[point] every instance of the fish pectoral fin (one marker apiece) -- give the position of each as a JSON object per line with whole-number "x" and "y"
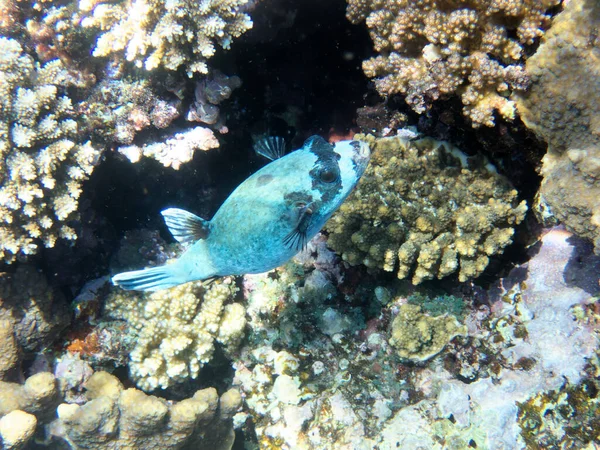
{"x": 297, "y": 239}
{"x": 271, "y": 147}
{"x": 186, "y": 227}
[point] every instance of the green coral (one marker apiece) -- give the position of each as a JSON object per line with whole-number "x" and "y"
{"x": 425, "y": 210}
{"x": 418, "y": 336}
{"x": 439, "y": 305}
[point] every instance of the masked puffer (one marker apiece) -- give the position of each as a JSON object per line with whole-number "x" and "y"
{"x": 266, "y": 220}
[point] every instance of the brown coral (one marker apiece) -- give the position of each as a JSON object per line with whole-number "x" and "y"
{"x": 425, "y": 210}
{"x": 434, "y": 48}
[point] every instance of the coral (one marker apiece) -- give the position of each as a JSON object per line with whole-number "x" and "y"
{"x": 43, "y": 161}
{"x": 36, "y": 312}
{"x": 37, "y": 396}
{"x": 563, "y": 107}
{"x": 418, "y": 336}
{"x": 16, "y": 429}
{"x": 155, "y": 33}
{"x": 434, "y": 48}
{"x": 116, "y": 110}
{"x": 426, "y": 210}
{"x": 209, "y": 93}
{"x": 174, "y": 330}
{"x": 176, "y": 150}
{"x": 9, "y": 351}
{"x": 118, "y": 418}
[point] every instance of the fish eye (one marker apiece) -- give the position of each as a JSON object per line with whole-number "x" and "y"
{"x": 327, "y": 176}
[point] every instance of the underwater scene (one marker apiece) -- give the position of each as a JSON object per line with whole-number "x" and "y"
{"x": 299, "y": 224}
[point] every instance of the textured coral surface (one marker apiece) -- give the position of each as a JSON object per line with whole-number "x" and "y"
{"x": 174, "y": 330}
{"x": 563, "y": 107}
{"x": 424, "y": 210}
{"x": 433, "y": 48}
{"x": 169, "y": 34}
{"x": 44, "y": 160}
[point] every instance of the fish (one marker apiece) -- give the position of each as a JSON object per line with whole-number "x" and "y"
{"x": 266, "y": 220}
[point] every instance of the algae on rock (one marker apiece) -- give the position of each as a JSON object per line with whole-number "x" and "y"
{"x": 425, "y": 210}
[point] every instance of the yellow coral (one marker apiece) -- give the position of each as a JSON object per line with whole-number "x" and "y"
{"x": 432, "y": 48}
{"x": 155, "y": 33}
{"x": 44, "y": 161}
{"x": 175, "y": 329}
{"x": 443, "y": 213}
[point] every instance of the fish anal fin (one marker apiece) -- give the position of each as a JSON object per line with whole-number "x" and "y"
{"x": 186, "y": 227}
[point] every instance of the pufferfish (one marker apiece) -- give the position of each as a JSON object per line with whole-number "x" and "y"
{"x": 266, "y": 220}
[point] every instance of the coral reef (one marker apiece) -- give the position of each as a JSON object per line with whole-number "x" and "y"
{"x": 16, "y": 429}
{"x": 116, "y": 109}
{"x": 418, "y": 336}
{"x": 209, "y": 93}
{"x": 37, "y": 396}
{"x": 426, "y": 210}
{"x": 176, "y": 150}
{"x": 174, "y": 330}
{"x": 35, "y": 311}
{"x": 562, "y": 107}
{"x": 347, "y": 390}
{"x": 435, "y": 48}
{"x": 44, "y": 162}
{"x": 154, "y": 33}
{"x": 119, "y": 418}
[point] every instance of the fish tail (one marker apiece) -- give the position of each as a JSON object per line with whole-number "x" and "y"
{"x": 153, "y": 279}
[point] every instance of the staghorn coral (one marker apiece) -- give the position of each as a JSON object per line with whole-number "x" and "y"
{"x": 174, "y": 330}
{"x": 43, "y": 161}
{"x": 563, "y": 107}
{"x": 156, "y": 33}
{"x": 434, "y": 48}
{"x": 426, "y": 210}
{"x": 118, "y": 418}
{"x": 418, "y": 336}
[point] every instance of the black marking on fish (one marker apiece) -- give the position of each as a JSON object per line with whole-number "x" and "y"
{"x": 272, "y": 147}
{"x": 325, "y": 173}
{"x": 296, "y": 239}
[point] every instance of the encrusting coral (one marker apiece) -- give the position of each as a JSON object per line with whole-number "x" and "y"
{"x": 418, "y": 336}
{"x": 169, "y": 34}
{"x": 119, "y": 418}
{"x": 44, "y": 162}
{"x": 434, "y": 48}
{"x": 563, "y": 107}
{"x": 174, "y": 330}
{"x": 425, "y": 209}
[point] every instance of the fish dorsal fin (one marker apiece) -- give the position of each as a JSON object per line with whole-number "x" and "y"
{"x": 272, "y": 147}
{"x": 186, "y": 227}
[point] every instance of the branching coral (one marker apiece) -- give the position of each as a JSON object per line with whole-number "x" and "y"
{"x": 43, "y": 161}
{"x": 174, "y": 330}
{"x": 563, "y": 107}
{"x": 434, "y": 48}
{"x": 169, "y": 34}
{"x": 426, "y": 210}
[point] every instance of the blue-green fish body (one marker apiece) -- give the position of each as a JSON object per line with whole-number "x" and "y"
{"x": 265, "y": 221}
